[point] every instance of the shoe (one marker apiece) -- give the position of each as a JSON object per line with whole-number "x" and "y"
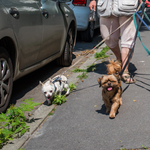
{"x": 127, "y": 78}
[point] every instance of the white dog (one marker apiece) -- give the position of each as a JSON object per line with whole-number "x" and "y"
{"x": 54, "y": 87}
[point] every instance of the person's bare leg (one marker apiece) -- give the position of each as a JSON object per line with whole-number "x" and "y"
{"x": 124, "y": 55}
{"x": 117, "y": 53}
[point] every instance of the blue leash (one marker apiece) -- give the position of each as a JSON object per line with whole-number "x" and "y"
{"x": 142, "y": 21}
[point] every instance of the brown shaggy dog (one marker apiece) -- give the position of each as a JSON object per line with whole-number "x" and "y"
{"x": 111, "y": 93}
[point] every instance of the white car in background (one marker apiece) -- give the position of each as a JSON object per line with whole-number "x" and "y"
{"x": 82, "y": 12}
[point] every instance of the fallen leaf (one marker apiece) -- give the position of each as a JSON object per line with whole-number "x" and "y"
{"x": 67, "y": 74}
{"x": 82, "y": 80}
{"x": 29, "y": 114}
{"x": 134, "y": 100}
{"x": 95, "y": 105}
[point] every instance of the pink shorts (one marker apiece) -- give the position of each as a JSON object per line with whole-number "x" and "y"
{"x": 126, "y": 32}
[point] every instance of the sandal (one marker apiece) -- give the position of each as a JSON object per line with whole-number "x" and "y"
{"x": 126, "y": 78}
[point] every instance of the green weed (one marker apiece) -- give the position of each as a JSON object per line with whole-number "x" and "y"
{"x": 91, "y": 68}
{"x": 82, "y": 76}
{"x": 59, "y": 99}
{"x": 50, "y": 114}
{"x": 102, "y": 53}
{"x": 13, "y": 122}
{"x": 72, "y": 86}
{"x": 53, "y": 109}
{"x": 144, "y": 147}
{"x": 77, "y": 70}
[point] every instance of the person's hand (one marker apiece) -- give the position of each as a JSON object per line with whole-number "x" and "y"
{"x": 92, "y": 5}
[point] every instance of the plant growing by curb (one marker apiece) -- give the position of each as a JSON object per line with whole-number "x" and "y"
{"x": 102, "y": 53}
{"x": 90, "y": 68}
{"x": 13, "y": 122}
{"x": 82, "y": 76}
{"x": 72, "y": 86}
{"x": 59, "y": 99}
{"x": 77, "y": 70}
{"x": 144, "y": 147}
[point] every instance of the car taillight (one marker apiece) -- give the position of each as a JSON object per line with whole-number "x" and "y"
{"x": 79, "y": 2}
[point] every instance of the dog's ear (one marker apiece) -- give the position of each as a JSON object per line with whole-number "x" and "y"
{"x": 50, "y": 81}
{"x": 40, "y": 83}
{"x": 99, "y": 81}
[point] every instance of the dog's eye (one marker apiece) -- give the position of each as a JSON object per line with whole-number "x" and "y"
{"x": 45, "y": 92}
{"x": 50, "y": 91}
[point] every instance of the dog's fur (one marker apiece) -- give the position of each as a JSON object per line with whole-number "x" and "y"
{"x": 114, "y": 67}
{"x": 54, "y": 87}
{"x": 111, "y": 93}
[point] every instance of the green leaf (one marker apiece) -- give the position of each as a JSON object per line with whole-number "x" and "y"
{"x": 18, "y": 129}
{"x": 3, "y": 117}
{"x": 15, "y": 124}
{"x": 23, "y": 131}
{"x": 144, "y": 147}
{"x": 6, "y": 124}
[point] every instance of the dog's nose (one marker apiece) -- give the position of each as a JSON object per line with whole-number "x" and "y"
{"x": 109, "y": 84}
{"x": 49, "y": 96}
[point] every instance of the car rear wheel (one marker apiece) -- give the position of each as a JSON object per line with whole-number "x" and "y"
{"x": 6, "y": 79}
{"x": 66, "y": 57}
{"x": 88, "y": 34}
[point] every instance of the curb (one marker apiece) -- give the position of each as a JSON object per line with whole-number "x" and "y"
{"x": 43, "y": 111}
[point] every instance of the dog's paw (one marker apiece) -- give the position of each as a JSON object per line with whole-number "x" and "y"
{"x": 67, "y": 94}
{"x": 120, "y": 102}
{"x": 112, "y": 115}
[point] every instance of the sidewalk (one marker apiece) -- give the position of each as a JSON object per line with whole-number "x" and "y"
{"x": 81, "y": 122}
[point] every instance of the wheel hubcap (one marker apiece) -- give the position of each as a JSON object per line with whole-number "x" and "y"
{"x": 4, "y": 81}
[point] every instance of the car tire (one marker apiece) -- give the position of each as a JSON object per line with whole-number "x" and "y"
{"x": 66, "y": 58}
{"x": 6, "y": 79}
{"x": 88, "y": 34}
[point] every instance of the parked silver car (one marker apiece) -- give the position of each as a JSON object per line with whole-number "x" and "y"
{"x": 82, "y": 12}
{"x": 32, "y": 34}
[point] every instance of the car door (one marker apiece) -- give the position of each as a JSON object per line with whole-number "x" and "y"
{"x": 25, "y": 17}
{"x": 53, "y": 29}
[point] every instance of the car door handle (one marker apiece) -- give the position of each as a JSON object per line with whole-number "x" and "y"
{"x": 14, "y": 12}
{"x": 45, "y": 13}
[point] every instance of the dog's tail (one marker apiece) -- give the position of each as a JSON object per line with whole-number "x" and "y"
{"x": 113, "y": 67}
